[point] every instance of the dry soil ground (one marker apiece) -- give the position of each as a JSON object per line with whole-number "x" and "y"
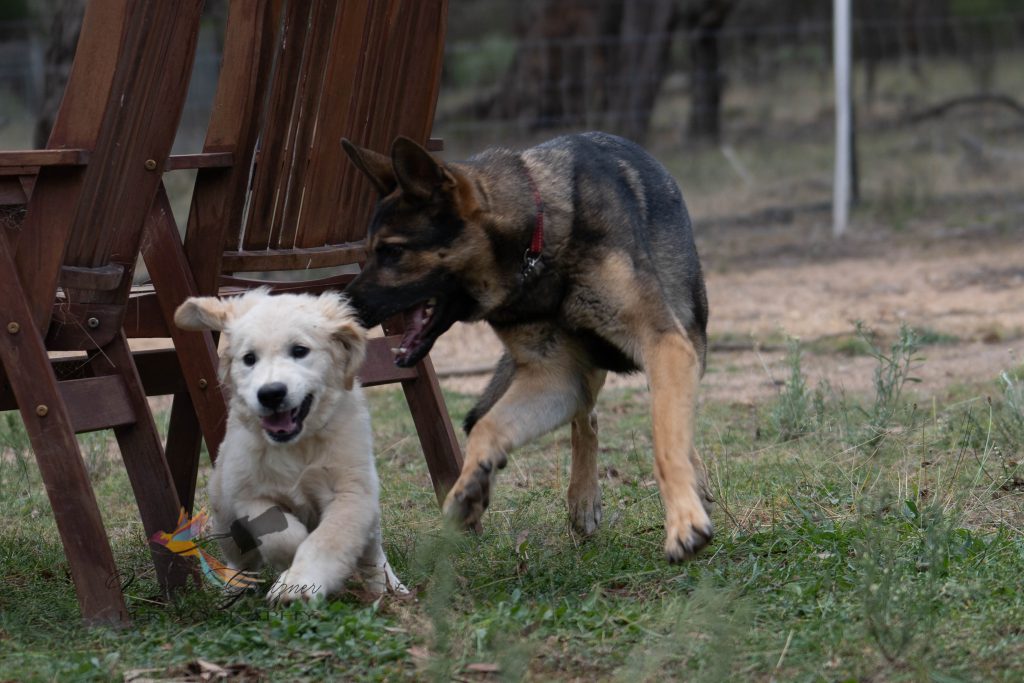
{"x": 956, "y": 270}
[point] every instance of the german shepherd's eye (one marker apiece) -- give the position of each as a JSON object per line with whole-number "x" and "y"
{"x": 388, "y": 254}
{"x": 300, "y": 351}
{"x": 249, "y": 359}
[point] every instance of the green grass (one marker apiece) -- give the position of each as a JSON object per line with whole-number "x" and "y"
{"x": 839, "y": 557}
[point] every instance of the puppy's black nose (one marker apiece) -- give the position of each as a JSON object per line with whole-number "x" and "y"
{"x": 272, "y": 395}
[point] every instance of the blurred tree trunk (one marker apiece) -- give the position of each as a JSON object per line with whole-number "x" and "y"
{"x": 65, "y": 24}
{"x": 586, "y": 63}
{"x": 704, "y": 20}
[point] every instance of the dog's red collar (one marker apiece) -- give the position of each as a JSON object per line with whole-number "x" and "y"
{"x": 531, "y": 259}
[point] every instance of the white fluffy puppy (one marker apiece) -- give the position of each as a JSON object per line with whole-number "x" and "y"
{"x": 295, "y": 485}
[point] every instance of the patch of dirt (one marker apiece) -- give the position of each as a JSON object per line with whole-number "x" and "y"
{"x": 961, "y": 279}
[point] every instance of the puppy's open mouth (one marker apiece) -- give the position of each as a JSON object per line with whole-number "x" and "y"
{"x": 285, "y": 425}
{"x": 424, "y": 323}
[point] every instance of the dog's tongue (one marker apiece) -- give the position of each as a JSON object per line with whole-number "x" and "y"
{"x": 279, "y": 422}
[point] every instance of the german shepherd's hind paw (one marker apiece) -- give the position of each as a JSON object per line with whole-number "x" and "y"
{"x": 470, "y": 496}
{"x": 585, "y": 514}
{"x": 685, "y": 538}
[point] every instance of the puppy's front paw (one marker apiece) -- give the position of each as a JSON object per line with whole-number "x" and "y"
{"x": 295, "y": 585}
{"x": 382, "y": 579}
{"x": 470, "y": 496}
{"x": 687, "y": 529}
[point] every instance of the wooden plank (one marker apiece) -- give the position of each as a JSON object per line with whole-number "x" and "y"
{"x": 238, "y": 285}
{"x": 143, "y": 318}
{"x": 218, "y": 201}
{"x": 278, "y": 134}
{"x": 184, "y": 445}
{"x": 177, "y": 162}
{"x": 77, "y": 327}
{"x": 139, "y": 126}
{"x": 143, "y": 457}
{"x": 344, "y": 84}
{"x": 103, "y": 278}
{"x": 304, "y": 114}
{"x": 197, "y": 352}
{"x": 380, "y": 367}
{"x": 44, "y": 157}
{"x": 294, "y": 259}
{"x": 11, "y": 191}
{"x": 61, "y": 466}
{"x": 157, "y": 368}
{"x": 89, "y": 414}
{"x": 54, "y": 198}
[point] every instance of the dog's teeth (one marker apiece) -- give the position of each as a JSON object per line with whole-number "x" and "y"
{"x": 399, "y": 349}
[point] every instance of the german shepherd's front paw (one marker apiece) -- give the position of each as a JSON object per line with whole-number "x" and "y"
{"x": 470, "y": 496}
{"x": 688, "y": 529}
{"x": 585, "y": 511}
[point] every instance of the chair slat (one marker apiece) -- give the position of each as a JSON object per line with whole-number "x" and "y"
{"x": 277, "y": 134}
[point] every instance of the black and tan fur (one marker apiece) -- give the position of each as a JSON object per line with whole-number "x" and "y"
{"x": 620, "y": 288}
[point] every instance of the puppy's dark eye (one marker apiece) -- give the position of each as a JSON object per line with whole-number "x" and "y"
{"x": 249, "y": 359}
{"x": 299, "y": 351}
{"x": 388, "y": 254}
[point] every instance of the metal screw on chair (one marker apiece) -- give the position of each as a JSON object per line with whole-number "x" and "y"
{"x": 42, "y": 410}
{"x": 202, "y": 383}
{"x": 93, "y": 323}
{"x": 13, "y": 328}
{"x": 150, "y": 164}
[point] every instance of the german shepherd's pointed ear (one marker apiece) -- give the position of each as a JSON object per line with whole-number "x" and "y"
{"x": 375, "y": 166}
{"x": 418, "y": 173}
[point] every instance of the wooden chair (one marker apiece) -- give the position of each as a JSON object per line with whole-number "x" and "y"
{"x": 66, "y": 273}
{"x": 275, "y": 192}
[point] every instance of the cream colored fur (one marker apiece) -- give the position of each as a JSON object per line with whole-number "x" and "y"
{"x": 323, "y": 480}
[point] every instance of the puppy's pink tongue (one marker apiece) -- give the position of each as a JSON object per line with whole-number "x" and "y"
{"x": 278, "y": 422}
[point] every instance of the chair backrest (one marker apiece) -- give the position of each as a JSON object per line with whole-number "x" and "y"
{"x": 295, "y": 79}
{"x": 115, "y": 126}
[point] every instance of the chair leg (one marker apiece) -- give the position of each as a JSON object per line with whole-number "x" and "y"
{"x": 184, "y": 444}
{"x": 434, "y": 427}
{"x": 60, "y": 461}
{"x": 144, "y": 461}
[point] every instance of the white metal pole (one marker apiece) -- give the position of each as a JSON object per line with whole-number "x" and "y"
{"x": 841, "y": 58}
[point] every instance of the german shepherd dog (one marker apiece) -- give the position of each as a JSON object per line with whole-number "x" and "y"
{"x": 580, "y": 254}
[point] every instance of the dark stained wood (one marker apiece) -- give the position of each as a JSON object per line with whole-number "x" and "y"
{"x": 178, "y": 162}
{"x": 143, "y": 456}
{"x": 104, "y": 278}
{"x": 380, "y": 367}
{"x": 54, "y": 200}
{"x": 11, "y": 191}
{"x": 137, "y": 132}
{"x": 143, "y": 317}
{"x": 197, "y": 351}
{"x": 305, "y": 120}
{"x": 44, "y": 157}
{"x": 87, "y": 412}
{"x": 184, "y": 445}
{"x": 220, "y": 195}
{"x": 294, "y": 259}
{"x": 61, "y": 466}
{"x": 278, "y": 134}
{"x": 77, "y": 327}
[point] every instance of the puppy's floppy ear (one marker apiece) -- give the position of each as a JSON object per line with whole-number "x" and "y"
{"x": 212, "y": 313}
{"x": 377, "y": 167}
{"x": 351, "y": 336}
{"x": 204, "y": 313}
{"x": 418, "y": 173}
{"x": 346, "y": 333}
